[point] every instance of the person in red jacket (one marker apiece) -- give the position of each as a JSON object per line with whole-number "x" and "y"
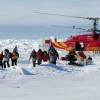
{"x": 1, "y": 59}
{"x": 39, "y": 56}
{"x": 45, "y": 56}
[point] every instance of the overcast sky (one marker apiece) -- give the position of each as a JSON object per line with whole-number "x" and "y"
{"x": 20, "y": 12}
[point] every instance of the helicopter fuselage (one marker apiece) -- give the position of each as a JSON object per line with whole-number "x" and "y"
{"x": 87, "y": 42}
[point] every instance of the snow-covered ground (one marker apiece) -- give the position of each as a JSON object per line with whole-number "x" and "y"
{"x": 47, "y": 81}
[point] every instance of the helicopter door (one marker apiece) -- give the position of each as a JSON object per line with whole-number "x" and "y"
{"x": 79, "y": 45}
{"x": 82, "y": 45}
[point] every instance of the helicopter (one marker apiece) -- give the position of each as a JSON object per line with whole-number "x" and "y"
{"x": 86, "y": 42}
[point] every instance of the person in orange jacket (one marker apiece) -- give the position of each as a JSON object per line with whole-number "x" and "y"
{"x": 15, "y": 56}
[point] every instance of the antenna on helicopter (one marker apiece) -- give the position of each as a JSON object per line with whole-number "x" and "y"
{"x": 94, "y": 29}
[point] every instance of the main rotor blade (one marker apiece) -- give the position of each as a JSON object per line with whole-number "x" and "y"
{"x": 83, "y": 31}
{"x": 73, "y": 27}
{"x": 98, "y": 30}
{"x": 59, "y": 15}
{"x": 90, "y": 18}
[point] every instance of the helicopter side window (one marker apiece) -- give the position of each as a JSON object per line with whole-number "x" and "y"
{"x": 73, "y": 38}
{"x": 76, "y": 38}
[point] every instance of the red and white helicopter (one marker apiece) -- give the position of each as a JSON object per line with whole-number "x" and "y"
{"x": 88, "y": 42}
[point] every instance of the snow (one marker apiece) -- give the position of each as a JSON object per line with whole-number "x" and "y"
{"x": 47, "y": 81}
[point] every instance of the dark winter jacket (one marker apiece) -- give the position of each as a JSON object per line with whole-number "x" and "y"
{"x": 1, "y": 57}
{"x": 72, "y": 52}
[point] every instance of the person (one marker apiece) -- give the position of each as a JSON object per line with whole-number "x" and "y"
{"x": 81, "y": 58}
{"x": 45, "y": 56}
{"x": 89, "y": 60}
{"x": 67, "y": 57}
{"x": 53, "y": 55}
{"x": 1, "y": 59}
{"x": 72, "y": 56}
{"x": 15, "y": 49}
{"x": 14, "y": 57}
{"x": 81, "y": 54}
{"x": 6, "y": 58}
{"x": 79, "y": 61}
{"x": 39, "y": 56}
{"x": 33, "y": 56}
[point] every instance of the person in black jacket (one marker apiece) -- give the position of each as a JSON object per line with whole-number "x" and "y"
{"x": 53, "y": 55}
{"x": 72, "y": 56}
{"x": 33, "y": 56}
